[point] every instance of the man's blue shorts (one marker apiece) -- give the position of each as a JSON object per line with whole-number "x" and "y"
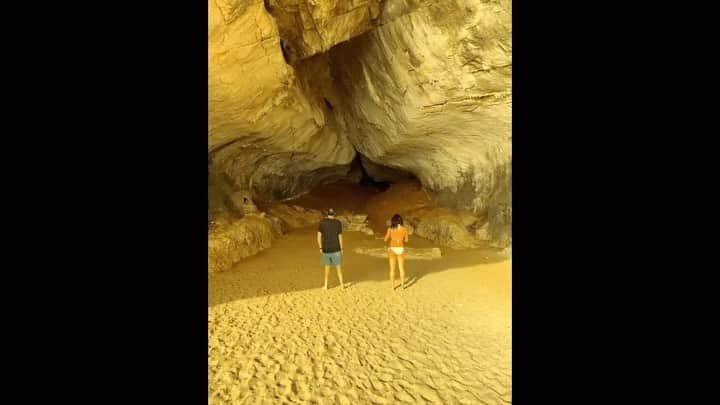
{"x": 332, "y": 259}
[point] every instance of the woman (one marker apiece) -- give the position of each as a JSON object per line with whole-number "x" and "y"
{"x": 398, "y": 235}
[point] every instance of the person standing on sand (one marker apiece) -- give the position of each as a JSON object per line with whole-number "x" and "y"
{"x": 398, "y": 235}
{"x": 330, "y": 242}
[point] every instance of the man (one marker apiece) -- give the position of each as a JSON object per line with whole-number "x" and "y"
{"x": 330, "y": 242}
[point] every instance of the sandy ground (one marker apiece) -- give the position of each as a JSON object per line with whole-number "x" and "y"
{"x": 275, "y": 336}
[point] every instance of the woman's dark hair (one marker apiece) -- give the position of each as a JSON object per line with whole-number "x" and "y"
{"x": 395, "y": 221}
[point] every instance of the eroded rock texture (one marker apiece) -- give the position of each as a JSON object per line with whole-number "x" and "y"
{"x": 270, "y": 131}
{"x": 446, "y": 227}
{"x": 355, "y": 223}
{"x": 296, "y": 87}
{"x": 383, "y": 173}
{"x": 429, "y": 92}
{"x": 231, "y": 242}
{"x": 295, "y": 217}
{"x": 309, "y": 27}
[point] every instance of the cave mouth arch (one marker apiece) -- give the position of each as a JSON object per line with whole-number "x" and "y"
{"x": 381, "y": 176}
{"x": 365, "y": 184}
{"x": 362, "y": 187}
{"x": 366, "y": 180}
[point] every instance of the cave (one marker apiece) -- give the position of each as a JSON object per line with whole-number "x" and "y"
{"x": 306, "y": 98}
{"x": 309, "y": 97}
{"x": 373, "y": 108}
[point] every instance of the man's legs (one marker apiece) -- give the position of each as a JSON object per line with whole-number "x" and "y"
{"x": 327, "y": 271}
{"x": 339, "y": 271}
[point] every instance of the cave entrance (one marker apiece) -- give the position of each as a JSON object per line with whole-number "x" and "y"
{"x": 369, "y": 188}
{"x": 379, "y": 184}
{"x": 364, "y": 181}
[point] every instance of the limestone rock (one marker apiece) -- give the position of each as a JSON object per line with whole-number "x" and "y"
{"x": 308, "y": 27}
{"x": 295, "y": 217}
{"x": 270, "y": 130}
{"x": 482, "y": 232}
{"x": 230, "y": 243}
{"x": 506, "y": 252}
{"x": 384, "y": 173}
{"x": 242, "y": 201}
{"x": 429, "y": 92}
{"x": 443, "y": 226}
{"x": 416, "y": 86}
{"x": 218, "y": 222}
{"x": 355, "y": 223}
{"x": 500, "y": 217}
{"x": 279, "y": 226}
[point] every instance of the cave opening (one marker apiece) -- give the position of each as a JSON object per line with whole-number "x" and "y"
{"x": 364, "y": 180}
{"x": 368, "y": 181}
{"x": 368, "y": 188}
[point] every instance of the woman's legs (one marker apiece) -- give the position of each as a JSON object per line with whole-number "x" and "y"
{"x": 391, "y": 257}
{"x": 401, "y": 264}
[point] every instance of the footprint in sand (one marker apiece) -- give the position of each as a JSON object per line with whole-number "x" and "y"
{"x": 342, "y": 399}
{"x": 292, "y": 398}
{"x": 264, "y": 360}
{"x": 375, "y": 399}
{"x": 283, "y": 381}
{"x": 385, "y": 377}
{"x": 428, "y": 394}
{"x": 403, "y": 396}
{"x": 378, "y": 385}
{"x": 302, "y": 390}
{"x": 340, "y": 381}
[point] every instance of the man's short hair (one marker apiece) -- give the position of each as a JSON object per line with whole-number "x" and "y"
{"x": 330, "y": 211}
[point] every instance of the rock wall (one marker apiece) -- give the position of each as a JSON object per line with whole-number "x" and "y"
{"x": 429, "y": 92}
{"x": 295, "y": 217}
{"x": 231, "y": 242}
{"x": 308, "y": 27}
{"x": 382, "y": 173}
{"x": 418, "y": 86}
{"x": 269, "y": 130}
{"x": 447, "y": 227}
{"x": 355, "y": 223}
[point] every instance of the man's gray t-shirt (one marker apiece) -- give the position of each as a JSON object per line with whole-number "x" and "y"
{"x": 330, "y": 229}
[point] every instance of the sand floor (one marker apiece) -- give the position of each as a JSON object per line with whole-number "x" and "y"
{"x": 275, "y": 336}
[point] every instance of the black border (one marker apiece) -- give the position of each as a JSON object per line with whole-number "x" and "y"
{"x": 112, "y": 209}
{"x": 598, "y": 203}
{"x": 110, "y": 107}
